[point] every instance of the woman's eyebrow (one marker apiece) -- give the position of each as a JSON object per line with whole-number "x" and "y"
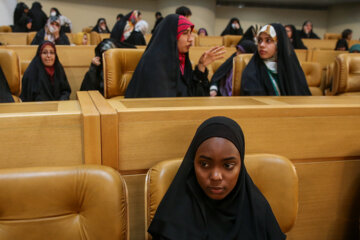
{"x": 205, "y": 157}
{"x": 228, "y": 158}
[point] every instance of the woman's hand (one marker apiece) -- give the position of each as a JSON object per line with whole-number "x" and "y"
{"x": 96, "y": 61}
{"x": 210, "y": 56}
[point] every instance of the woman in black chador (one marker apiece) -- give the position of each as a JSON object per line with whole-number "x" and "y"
{"x": 233, "y": 28}
{"x": 274, "y": 70}
{"x": 165, "y": 69}
{"x": 101, "y": 26}
{"x": 294, "y": 37}
{"x": 307, "y": 31}
{"x": 38, "y": 16}
{"x": 221, "y": 82}
{"x": 212, "y": 196}
{"x": 94, "y": 78}
{"x": 45, "y": 79}
{"x": 5, "y": 93}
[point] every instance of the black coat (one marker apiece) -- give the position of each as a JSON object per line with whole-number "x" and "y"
{"x": 229, "y": 30}
{"x": 38, "y": 16}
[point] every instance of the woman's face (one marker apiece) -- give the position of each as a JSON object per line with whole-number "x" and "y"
{"x": 48, "y": 56}
{"x": 85, "y": 39}
{"x": 202, "y": 33}
{"x": 217, "y": 166}
{"x": 288, "y": 32}
{"x": 55, "y": 27}
{"x": 266, "y": 46}
{"x": 308, "y": 27}
{"x": 185, "y": 40}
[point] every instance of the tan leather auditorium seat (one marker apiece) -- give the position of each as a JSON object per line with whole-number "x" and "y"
{"x": 119, "y": 66}
{"x": 336, "y": 36}
{"x": 346, "y": 75}
{"x": 239, "y": 63}
{"x": 312, "y": 71}
{"x": 274, "y": 175}
{"x": 78, "y": 202}
{"x": 9, "y": 63}
{"x": 231, "y": 40}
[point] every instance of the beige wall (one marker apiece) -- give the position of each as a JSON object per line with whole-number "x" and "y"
{"x": 249, "y": 16}
{"x": 345, "y": 16}
{"x": 6, "y": 12}
{"x": 205, "y": 14}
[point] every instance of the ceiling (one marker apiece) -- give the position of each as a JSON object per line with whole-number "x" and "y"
{"x": 303, "y": 4}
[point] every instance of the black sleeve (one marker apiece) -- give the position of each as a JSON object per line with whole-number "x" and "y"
{"x": 91, "y": 80}
{"x": 200, "y": 85}
{"x": 62, "y": 40}
{"x": 65, "y": 88}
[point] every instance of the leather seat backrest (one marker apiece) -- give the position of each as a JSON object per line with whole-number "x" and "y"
{"x": 78, "y": 38}
{"x": 95, "y": 38}
{"x": 312, "y": 71}
{"x": 5, "y": 28}
{"x": 301, "y": 54}
{"x": 274, "y": 175}
{"x": 239, "y": 63}
{"x": 210, "y": 41}
{"x": 119, "y": 66}
{"x": 328, "y": 44}
{"x": 231, "y": 40}
{"x": 30, "y": 37}
{"x": 77, "y": 202}
{"x": 9, "y": 63}
{"x": 87, "y": 29}
{"x": 336, "y": 36}
{"x": 347, "y": 74}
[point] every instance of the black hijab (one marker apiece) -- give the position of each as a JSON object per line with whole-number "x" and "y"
{"x": 38, "y": 85}
{"x": 295, "y": 38}
{"x": 158, "y": 73}
{"x": 186, "y": 212}
{"x": 19, "y": 12}
{"x": 255, "y": 80}
{"x": 311, "y": 34}
{"x": 118, "y": 29}
{"x": 342, "y": 43}
{"x": 5, "y": 93}
{"x": 229, "y": 30}
{"x": 94, "y": 78}
{"x": 97, "y": 27}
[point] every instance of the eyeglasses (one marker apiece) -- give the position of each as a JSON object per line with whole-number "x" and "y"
{"x": 48, "y": 53}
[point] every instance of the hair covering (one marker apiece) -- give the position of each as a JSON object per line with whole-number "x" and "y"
{"x": 19, "y": 11}
{"x": 47, "y": 33}
{"x": 186, "y": 212}
{"x": 5, "y": 93}
{"x": 124, "y": 27}
{"x": 97, "y": 27}
{"x": 295, "y": 39}
{"x": 183, "y": 25}
{"x": 39, "y": 85}
{"x": 158, "y": 73}
{"x": 230, "y": 30}
{"x": 355, "y": 47}
{"x": 202, "y": 30}
{"x": 342, "y": 43}
{"x": 291, "y": 79}
{"x": 311, "y": 34}
{"x": 142, "y": 26}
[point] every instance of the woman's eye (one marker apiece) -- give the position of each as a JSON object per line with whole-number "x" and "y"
{"x": 204, "y": 164}
{"x": 229, "y": 165}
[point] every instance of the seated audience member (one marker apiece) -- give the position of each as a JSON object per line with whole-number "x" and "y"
{"x": 342, "y": 44}
{"x": 274, "y": 70}
{"x": 51, "y": 32}
{"x": 355, "y": 48}
{"x": 94, "y": 78}
{"x": 65, "y": 23}
{"x": 137, "y": 37}
{"x": 22, "y": 18}
{"x": 233, "y": 28}
{"x": 124, "y": 30}
{"x": 202, "y": 32}
{"x": 101, "y": 26}
{"x": 165, "y": 69}
{"x": 45, "y": 78}
{"x": 307, "y": 31}
{"x": 184, "y": 11}
{"x": 5, "y": 93}
{"x": 159, "y": 18}
{"x": 294, "y": 37}
{"x": 212, "y": 196}
{"x": 221, "y": 82}
{"x": 38, "y": 16}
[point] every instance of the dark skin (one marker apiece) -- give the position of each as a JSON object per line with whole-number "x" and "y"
{"x": 217, "y": 166}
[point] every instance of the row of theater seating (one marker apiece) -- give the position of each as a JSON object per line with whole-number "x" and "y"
{"x": 94, "y": 198}
{"x": 119, "y": 64}
{"x": 208, "y": 41}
